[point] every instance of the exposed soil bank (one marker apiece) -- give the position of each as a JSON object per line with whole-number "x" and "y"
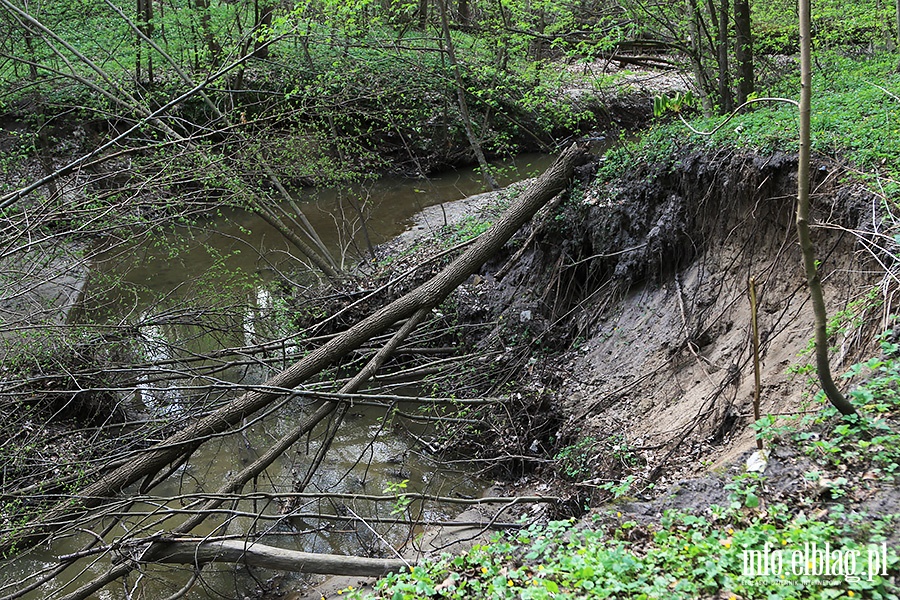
{"x": 668, "y": 367}
{"x": 629, "y": 322}
{"x": 642, "y": 286}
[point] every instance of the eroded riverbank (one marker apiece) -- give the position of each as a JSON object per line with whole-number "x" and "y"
{"x": 617, "y": 336}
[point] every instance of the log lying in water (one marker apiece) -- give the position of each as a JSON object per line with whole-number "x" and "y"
{"x": 194, "y": 551}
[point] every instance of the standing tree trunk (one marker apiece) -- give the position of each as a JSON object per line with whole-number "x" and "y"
{"x": 148, "y": 31}
{"x": 809, "y": 258}
{"x": 145, "y": 23}
{"x": 423, "y": 14}
{"x": 43, "y": 139}
{"x": 725, "y": 97}
{"x": 138, "y": 44}
{"x": 461, "y": 97}
{"x": 212, "y": 46}
{"x": 465, "y": 14}
{"x": 743, "y": 50}
{"x": 897, "y": 21}
{"x": 263, "y": 21}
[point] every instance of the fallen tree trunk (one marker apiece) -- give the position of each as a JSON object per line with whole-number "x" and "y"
{"x": 235, "y": 483}
{"x": 426, "y": 296}
{"x": 199, "y": 552}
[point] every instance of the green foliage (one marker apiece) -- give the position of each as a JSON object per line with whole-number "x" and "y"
{"x": 686, "y": 556}
{"x": 403, "y": 501}
{"x": 834, "y": 24}
{"x": 352, "y": 88}
{"x": 574, "y": 460}
{"x": 744, "y": 491}
{"x": 464, "y": 231}
{"x": 870, "y": 437}
{"x": 656, "y": 148}
{"x": 853, "y": 316}
{"x": 852, "y": 118}
{"x": 679, "y": 101}
{"x": 578, "y": 461}
{"x": 868, "y": 440}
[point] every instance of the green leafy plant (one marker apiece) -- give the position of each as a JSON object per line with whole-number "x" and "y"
{"x": 678, "y": 102}
{"x": 574, "y": 460}
{"x": 687, "y": 556}
{"x": 403, "y": 501}
{"x": 745, "y": 491}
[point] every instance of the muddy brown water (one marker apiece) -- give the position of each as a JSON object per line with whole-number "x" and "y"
{"x": 152, "y": 282}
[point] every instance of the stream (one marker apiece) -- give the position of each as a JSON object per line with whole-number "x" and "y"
{"x": 153, "y": 282}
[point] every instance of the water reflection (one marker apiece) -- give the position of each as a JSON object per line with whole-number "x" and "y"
{"x": 208, "y": 286}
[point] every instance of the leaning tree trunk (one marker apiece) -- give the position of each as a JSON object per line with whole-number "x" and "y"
{"x": 426, "y": 296}
{"x": 809, "y": 258}
{"x": 461, "y": 97}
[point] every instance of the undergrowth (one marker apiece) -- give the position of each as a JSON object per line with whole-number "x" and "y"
{"x": 819, "y": 544}
{"x": 855, "y": 109}
{"x": 684, "y": 556}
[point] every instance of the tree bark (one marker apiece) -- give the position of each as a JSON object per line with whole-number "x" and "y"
{"x": 897, "y": 20}
{"x": 139, "y": 9}
{"x": 148, "y": 31}
{"x": 725, "y": 97}
{"x": 423, "y": 14}
{"x": 809, "y": 257}
{"x": 212, "y": 46}
{"x": 263, "y": 20}
{"x": 696, "y": 57}
{"x": 144, "y": 16}
{"x": 743, "y": 50}
{"x": 465, "y": 15}
{"x": 426, "y": 296}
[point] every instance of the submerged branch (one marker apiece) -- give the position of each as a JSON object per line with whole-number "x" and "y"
{"x": 252, "y": 554}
